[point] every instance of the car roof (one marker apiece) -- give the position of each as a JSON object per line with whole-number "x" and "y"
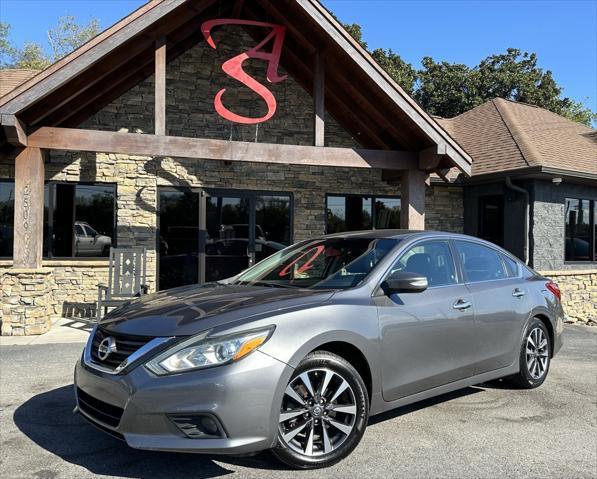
{"x": 385, "y": 233}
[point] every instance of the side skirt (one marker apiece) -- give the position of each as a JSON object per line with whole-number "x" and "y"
{"x": 378, "y": 405}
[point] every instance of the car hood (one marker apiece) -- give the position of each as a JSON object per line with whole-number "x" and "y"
{"x": 192, "y": 309}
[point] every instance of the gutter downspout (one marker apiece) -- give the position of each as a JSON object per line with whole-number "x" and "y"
{"x": 525, "y": 193}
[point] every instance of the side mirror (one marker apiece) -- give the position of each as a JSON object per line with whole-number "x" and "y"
{"x": 404, "y": 282}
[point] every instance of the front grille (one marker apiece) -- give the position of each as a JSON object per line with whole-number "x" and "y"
{"x": 99, "y": 410}
{"x": 125, "y": 346}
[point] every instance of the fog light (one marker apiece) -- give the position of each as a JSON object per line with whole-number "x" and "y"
{"x": 199, "y": 426}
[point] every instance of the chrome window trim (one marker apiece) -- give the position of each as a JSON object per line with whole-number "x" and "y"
{"x": 142, "y": 351}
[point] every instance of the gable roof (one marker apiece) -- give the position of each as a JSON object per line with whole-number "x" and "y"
{"x": 11, "y": 78}
{"x": 502, "y": 135}
{"x": 358, "y": 91}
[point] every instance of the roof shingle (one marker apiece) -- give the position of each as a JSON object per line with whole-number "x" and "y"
{"x": 503, "y": 135}
{"x": 13, "y": 77}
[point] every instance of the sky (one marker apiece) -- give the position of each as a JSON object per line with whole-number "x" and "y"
{"x": 563, "y": 33}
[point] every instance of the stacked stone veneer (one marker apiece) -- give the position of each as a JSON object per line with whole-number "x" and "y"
{"x": 579, "y": 294}
{"x": 26, "y": 298}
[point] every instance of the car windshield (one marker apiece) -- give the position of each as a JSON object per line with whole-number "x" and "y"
{"x": 331, "y": 263}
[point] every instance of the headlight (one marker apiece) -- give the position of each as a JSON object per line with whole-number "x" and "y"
{"x": 206, "y": 352}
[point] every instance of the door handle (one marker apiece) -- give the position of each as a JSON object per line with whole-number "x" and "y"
{"x": 517, "y": 293}
{"x": 462, "y": 305}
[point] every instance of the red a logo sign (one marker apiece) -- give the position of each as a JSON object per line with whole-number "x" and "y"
{"x": 234, "y": 67}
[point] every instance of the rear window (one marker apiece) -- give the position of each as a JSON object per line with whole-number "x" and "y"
{"x": 480, "y": 263}
{"x": 511, "y": 267}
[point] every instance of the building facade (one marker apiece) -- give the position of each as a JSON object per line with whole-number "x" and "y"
{"x": 121, "y": 144}
{"x": 148, "y": 161}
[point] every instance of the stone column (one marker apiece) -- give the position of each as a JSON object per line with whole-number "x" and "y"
{"x": 26, "y": 301}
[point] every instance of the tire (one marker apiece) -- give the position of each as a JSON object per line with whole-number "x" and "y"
{"x": 321, "y": 434}
{"x": 534, "y": 362}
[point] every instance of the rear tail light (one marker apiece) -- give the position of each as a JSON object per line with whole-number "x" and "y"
{"x": 555, "y": 289}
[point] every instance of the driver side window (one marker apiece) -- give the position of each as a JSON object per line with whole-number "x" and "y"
{"x": 432, "y": 259}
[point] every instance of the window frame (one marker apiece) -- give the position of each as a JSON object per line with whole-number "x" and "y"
{"x": 358, "y": 195}
{"x": 592, "y": 225}
{"x": 50, "y": 231}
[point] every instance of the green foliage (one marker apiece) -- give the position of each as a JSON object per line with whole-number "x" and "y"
{"x": 449, "y": 89}
{"x": 402, "y": 72}
{"x": 68, "y": 35}
{"x": 64, "y": 38}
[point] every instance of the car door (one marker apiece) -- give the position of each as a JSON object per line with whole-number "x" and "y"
{"x": 427, "y": 338}
{"x": 501, "y": 302}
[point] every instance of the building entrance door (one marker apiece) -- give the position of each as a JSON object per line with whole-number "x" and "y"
{"x": 209, "y": 235}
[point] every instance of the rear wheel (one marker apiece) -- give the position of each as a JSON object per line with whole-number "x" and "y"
{"x": 324, "y": 412}
{"x": 535, "y": 356}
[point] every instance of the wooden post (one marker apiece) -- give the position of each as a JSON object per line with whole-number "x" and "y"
{"x": 29, "y": 209}
{"x": 319, "y": 99}
{"x": 160, "y": 86}
{"x": 412, "y": 214}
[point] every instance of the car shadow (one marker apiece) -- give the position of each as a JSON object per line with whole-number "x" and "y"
{"x": 401, "y": 411}
{"x": 47, "y": 420}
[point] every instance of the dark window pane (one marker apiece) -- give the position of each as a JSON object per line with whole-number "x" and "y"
{"x": 7, "y": 197}
{"x": 94, "y": 211}
{"x": 178, "y": 238}
{"x": 578, "y": 230}
{"x": 433, "y": 260}
{"x": 79, "y": 220}
{"x": 480, "y": 263}
{"x": 349, "y": 213}
{"x": 387, "y": 213}
{"x": 491, "y": 219}
{"x": 273, "y": 219}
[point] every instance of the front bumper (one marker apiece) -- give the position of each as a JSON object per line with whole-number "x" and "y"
{"x": 245, "y": 397}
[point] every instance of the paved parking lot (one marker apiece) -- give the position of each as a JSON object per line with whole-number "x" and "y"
{"x": 480, "y": 432}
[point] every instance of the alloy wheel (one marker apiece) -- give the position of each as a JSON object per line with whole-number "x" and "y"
{"x": 318, "y": 412}
{"x": 537, "y": 353}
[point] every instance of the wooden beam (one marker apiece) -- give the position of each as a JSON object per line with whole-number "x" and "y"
{"x": 29, "y": 209}
{"x": 160, "y": 86}
{"x": 319, "y": 99}
{"x": 179, "y": 147}
{"x": 431, "y": 158}
{"x": 412, "y": 214}
{"x": 14, "y": 130}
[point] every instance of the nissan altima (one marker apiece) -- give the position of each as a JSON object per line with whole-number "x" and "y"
{"x": 297, "y": 352}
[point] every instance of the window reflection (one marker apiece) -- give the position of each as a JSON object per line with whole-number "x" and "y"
{"x": 79, "y": 220}
{"x": 7, "y": 196}
{"x": 355, "y": 213}
{"x": 580, "y": 226}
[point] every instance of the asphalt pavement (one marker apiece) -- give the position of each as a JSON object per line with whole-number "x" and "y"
{"x": 487, "y": 431}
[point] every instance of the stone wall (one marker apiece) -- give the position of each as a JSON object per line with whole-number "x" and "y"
{"x": 192, "y": 81}
{"x": 548, "y": 224}
{"x": 26, "y": 297}
{"x": 579, "y": 294}
{"x": 138, "y": 179}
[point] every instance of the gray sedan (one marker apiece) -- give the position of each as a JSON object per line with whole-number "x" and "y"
{"x": 296, "y": 353}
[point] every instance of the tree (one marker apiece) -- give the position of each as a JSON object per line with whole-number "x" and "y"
{"x": 62, "y": 39}
{"x": 68, "y": 35}
{"x": 402, "y": 72}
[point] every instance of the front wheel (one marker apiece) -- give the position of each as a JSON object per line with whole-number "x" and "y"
{"x": 324, "y": 412}
{"x": 535, "y": 356}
